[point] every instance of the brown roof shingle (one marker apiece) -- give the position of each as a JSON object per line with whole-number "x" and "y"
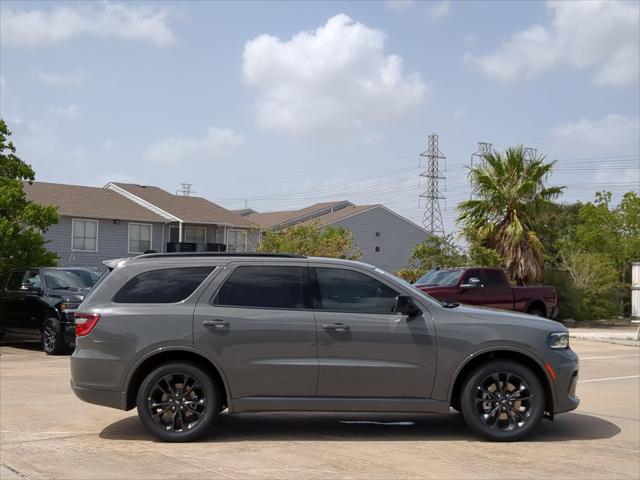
{"x": 187, "y": 209}
{"x": 274, "y": 219}
{"x": 91, "y": 202}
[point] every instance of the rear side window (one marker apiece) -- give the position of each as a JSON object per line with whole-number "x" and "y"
{"x": 350, "y": 291}
{"x": 15, "y": 280}
{"x": 263, "y": 287}
{"x": 493, "y": 278}
{"x": 169, "y": 285}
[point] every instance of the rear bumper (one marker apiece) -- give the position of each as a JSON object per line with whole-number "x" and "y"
{"x": 106, "y": 398}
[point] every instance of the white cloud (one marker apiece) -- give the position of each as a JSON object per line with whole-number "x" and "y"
{"x": 613, "y": 135}
{"x": 74, "y": 77}
{"x": 30, "y": 28}
{"x": 335, "y": 80}
{"x": 66, "y": 112}
{"x": 599, "y": 35}
{"x": 440, "y": 9}
{"x": 399, "y": 5}
{"x": 216, "y": 144}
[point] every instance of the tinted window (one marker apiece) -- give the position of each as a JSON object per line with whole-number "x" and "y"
{"x": 162, "y": 286}
{"x": 350, "y": 291}
{"x": 493, "y": 278}
{"x": 15, "y": 280}
{"x": 266, "y": 287}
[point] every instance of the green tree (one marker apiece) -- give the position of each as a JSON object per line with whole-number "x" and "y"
{"x": 313, "y": 239}
{"x": 433, "y": 252}
{"x": 510, "y": 197}
{"x": 21, "y": 222}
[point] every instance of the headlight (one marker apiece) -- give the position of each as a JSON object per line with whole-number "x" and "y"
{"x": 68, "y": 307}
{"x": 558, "y": 340}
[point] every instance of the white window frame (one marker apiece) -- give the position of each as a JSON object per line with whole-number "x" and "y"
{"x": 129, "y": 235}
{"x": 246, "y": 237}
{"x": 97, "y": 222}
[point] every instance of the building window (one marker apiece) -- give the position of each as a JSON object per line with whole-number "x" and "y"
{"x": 84, "y": 235}
{"x": 197, "y": 235}
{"x": 377, "y": 249}
{"x": 236, "y": 240}
{"x": 139, "y": 237}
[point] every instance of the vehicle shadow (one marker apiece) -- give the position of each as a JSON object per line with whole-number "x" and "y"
{"x": 22, "y": 345}
{"x": 353, "y": 427}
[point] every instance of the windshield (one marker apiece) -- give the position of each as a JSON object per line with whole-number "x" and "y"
{"x": 440, "y": 277}
{"x": 408, "y": 285}
{"x": 71, "y": 279}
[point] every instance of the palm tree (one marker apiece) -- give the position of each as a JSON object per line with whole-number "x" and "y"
{"x": 509, "y": 196}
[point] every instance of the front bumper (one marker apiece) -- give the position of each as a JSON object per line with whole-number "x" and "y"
{"x": 566, "y": 366}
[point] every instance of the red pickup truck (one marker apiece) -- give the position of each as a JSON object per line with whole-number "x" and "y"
{"x": 487, "y": 287}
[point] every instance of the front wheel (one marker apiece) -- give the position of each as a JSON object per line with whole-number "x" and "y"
{"x": 53, "y": 342}
{"x": 502, "y": 401}
{"x": 178, "y": 402}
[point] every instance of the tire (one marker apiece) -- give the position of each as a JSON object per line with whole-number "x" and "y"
{"x": 162, "y": 391}
{"x": 53, "y": 338}
{"x": 537, "y": 312}
{"x": 496, "y": 415}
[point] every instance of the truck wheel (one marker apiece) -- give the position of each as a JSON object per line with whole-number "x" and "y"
{"x": 52, "y": 337}
{"x": 178, "y": 402}
{"x": 536, "y": 312}
{"x": 502, "y": 401}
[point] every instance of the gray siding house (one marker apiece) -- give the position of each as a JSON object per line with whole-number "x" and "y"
{"x": 122, "y": 220}
{"x": 385, "y": 238}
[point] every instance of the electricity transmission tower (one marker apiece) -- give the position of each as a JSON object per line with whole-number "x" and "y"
{"x": 432, "y": 218}
{"x": 478, "y": 158}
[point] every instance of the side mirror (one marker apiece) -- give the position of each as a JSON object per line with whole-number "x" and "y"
{"x": 405, "y": 305}
{"x": 30, "y": 288}
{"x": 473, "y": 283}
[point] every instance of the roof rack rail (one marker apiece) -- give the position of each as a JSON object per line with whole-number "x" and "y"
{"x": 219, "y": 254}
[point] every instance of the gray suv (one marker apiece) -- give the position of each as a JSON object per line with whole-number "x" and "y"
{"x": 184, "y": 336}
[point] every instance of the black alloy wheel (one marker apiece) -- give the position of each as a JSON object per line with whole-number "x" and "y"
{"x": 502, "y": 400}
{"x": 177, "y": 402}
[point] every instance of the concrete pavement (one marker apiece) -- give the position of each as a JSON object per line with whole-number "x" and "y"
{"x": 46, "y": 432}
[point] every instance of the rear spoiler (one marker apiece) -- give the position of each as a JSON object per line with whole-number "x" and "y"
{"x": 113, "y": 263}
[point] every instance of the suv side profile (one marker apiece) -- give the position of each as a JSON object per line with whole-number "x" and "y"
{"x": 184, "y": 336}
{"x": 39, "y": 303}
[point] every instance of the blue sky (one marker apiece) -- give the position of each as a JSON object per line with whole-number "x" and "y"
{"x": 290, "y": 103}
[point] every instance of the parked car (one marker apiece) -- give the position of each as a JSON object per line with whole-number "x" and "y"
{"x": 39, "y": 304}
{"x": 487, "y": 287}
{"x": 183, "y": 336}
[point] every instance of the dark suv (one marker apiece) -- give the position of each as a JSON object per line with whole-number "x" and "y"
{"x": 39, "y": 303}
{"x": 185, "y": 336}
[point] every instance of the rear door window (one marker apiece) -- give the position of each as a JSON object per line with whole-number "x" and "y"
{"x": 493, "y": 279}
{"x": 168, "y": 285}
{"x": 344, "y": 290}
{"x": 264, "y": 287}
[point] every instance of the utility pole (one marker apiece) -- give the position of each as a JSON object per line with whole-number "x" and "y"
{"x": 432, "y": 218}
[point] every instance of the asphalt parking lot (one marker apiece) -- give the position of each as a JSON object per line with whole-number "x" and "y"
{"x": 46, "y": 432}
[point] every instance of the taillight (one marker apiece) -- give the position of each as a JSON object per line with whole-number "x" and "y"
{"x": 85, "y": 322}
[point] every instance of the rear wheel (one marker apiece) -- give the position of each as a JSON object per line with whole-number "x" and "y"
{"x": 53, "y": 338}
{"x": 178, "y": 402}
{"x": 502, "y": 401}
{"x": 537, "y": 312}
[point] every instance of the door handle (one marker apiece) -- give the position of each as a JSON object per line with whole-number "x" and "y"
{"x": 217, "y": 323}
{"x": 338, "y": 327}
